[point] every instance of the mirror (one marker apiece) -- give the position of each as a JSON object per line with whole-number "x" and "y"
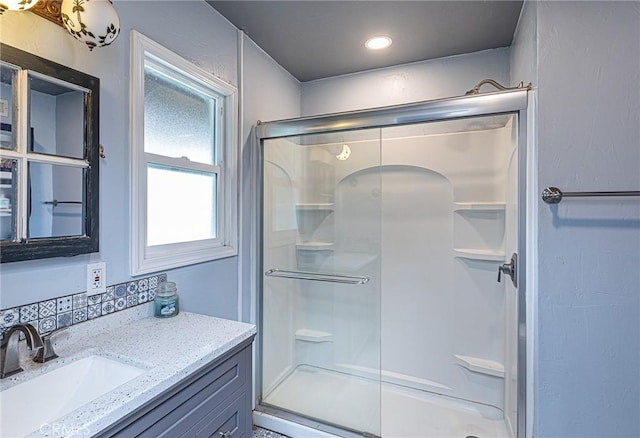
{"x": 49, "y": 153}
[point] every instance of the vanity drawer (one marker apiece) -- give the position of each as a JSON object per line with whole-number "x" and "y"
{"x": 201, "y": 398}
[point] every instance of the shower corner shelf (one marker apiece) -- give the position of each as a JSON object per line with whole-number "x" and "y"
{"x": 315, "y": 336}
{"x": 313, "y": 206}
{"x": 479, "y": 206}
{"x": 315, "y": 246}
{"x": 482, "y": 366}
{"x": 479, "y": 254}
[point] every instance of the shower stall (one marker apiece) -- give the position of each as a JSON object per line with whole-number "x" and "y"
{"x": 383, "y": 235}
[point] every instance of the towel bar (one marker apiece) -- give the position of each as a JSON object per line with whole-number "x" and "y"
{"x": 553, "y": 195}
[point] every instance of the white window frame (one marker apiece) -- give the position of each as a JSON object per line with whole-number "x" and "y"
{"x": 145, "y": 259}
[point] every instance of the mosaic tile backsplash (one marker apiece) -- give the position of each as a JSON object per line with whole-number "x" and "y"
{"x": 61, "y": 312}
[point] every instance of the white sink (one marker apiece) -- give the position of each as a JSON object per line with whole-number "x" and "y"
{"x": 36, "y": 403}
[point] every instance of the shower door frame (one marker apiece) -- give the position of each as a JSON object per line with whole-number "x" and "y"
{"x": 486, "y": 104}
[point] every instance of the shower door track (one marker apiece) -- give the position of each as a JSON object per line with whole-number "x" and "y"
{"x": 328, "y": 428}
{"x": 486, "y": 104}
{"x": 430, "y": 111}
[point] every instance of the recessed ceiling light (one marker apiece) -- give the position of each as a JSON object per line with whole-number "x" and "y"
{"x": 378, "y": 42}
{"x": 344, "y": 153}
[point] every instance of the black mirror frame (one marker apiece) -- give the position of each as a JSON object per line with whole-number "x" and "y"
{"x": 32, "y": 249}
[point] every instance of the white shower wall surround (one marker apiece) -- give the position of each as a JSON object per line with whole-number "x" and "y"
{"x": 422, "y": 211}
{"x": 441, "y": 315}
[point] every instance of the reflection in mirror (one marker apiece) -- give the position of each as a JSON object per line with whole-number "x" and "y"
{"x": 7, "y": 195}
{"x": 57, "y": 117}
{"x": 6, "y": 136}
{"x": 55, "y": 201}
{"x": 7, "y": 80}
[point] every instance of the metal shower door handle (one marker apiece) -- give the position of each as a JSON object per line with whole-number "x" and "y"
{"x": 510, "y": 269}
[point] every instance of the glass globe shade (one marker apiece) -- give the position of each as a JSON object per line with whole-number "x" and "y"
{"x": 16, "y": 5}
{"x": 94, "y": 22}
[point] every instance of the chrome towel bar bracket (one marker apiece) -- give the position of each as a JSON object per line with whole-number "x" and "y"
{"x": 553, "y": 195}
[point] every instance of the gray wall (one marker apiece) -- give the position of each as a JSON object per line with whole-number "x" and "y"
{"x": 269, "y": 93}
{"x": 438, "y": 78}
{"x": 588, "y": 381}
{"x": 198, "y": 33}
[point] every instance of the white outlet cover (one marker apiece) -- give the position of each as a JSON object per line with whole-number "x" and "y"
{"x": 96, "y": 278}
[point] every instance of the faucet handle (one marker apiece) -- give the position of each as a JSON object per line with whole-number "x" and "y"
{"x": 46, "y": 353}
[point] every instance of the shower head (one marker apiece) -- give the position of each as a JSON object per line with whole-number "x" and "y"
{"x": 476, "y": 89}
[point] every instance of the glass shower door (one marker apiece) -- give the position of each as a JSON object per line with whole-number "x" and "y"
{"x": 321, "y": 279}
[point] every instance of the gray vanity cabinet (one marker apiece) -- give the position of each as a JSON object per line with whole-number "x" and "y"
{"x": 215, "y": 401}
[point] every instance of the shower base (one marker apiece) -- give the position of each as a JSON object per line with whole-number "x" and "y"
{"x": 355, "y": 403}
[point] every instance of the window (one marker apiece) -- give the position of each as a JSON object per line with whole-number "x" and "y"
{"x": 183, "y": 191}
{"x": 49, "y": 169}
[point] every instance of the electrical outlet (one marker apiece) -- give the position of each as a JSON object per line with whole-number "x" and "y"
{"x": 96, "y": 278}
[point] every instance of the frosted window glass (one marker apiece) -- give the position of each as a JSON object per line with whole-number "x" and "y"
{"x": 181, "y": 205}
{"x": 178, "y": 121}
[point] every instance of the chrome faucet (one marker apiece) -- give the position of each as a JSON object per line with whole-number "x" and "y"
{"x": 46, "y": 353}
{"x": 9, "y": 353}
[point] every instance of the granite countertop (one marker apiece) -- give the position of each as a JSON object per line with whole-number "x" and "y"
{"x": 168, "y": 349}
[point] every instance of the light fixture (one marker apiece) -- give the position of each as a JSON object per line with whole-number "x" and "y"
{"x": 378, "y": 43}
{"x": 94, "y": 22}
{"x": 16, "y": 5}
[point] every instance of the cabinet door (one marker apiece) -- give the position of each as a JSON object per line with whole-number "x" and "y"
{"x": 233, "y": 421}
{"x": 199, "y": 399}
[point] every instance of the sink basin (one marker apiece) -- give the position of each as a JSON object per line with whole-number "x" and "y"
{"x": 36, "y": 403}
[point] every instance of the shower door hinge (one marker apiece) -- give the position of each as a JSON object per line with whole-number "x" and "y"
{"x": 510, "y": 269}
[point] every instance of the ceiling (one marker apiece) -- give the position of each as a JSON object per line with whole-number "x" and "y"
{"x": 319, "y": 39}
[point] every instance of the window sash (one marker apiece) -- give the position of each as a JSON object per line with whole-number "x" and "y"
{"x": 180, "y": 163}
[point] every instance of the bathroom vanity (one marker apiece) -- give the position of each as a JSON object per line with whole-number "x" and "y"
{"x": 215, "y": 400}
{"x": 194, "y": 377}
